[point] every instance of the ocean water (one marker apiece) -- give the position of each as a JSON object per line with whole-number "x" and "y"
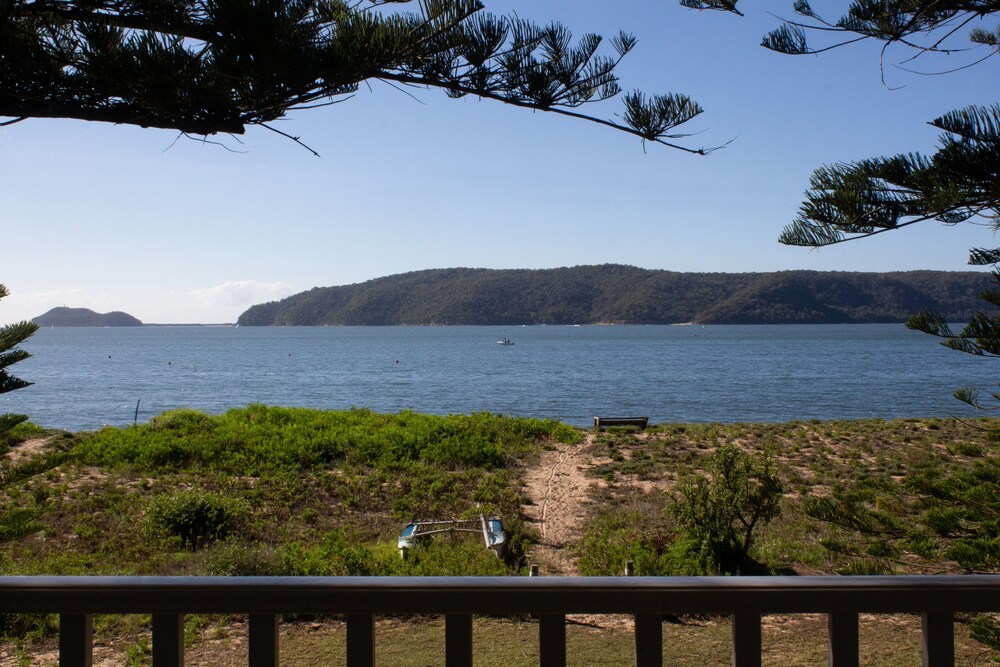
{"x": 86, "y": 378}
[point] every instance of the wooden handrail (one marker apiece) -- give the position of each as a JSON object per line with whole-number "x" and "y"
{"x": 745, "y": 599}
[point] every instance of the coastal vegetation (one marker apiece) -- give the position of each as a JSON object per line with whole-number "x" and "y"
{"x": 883, "y": 467}
{"x": 279, "y": 491}
{"x": 626, "y": 295}
{"x": 285, "y": 491}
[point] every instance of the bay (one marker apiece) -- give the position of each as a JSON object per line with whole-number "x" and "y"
{"x": 86, "y": 378}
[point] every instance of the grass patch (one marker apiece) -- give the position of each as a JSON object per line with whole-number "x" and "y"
{"x": 792, "y": 641}
{"x": 259, "y": 439}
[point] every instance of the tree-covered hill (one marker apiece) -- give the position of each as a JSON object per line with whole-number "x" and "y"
{"x": 626, "y": 295}
{"x": 84, "y": 317}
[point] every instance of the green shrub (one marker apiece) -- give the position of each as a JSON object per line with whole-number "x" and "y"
{"x": 335, "y": 555}
{"x": 17, "y": 522}
{"x": 23, "y": 431}
{"x": 233, "y": 558}
{"x": 23, "y": 626}
{"x": 137, "y": 654}
{"x": 970, "y": 449}
{"x": 195, "y": 516}
{"x": 448, "y": 558}
{"x": 720, "y": 511}
{"x": 184, "y": 422}
{"x": 986, "y": 630}
{"x": 615, "y": 537}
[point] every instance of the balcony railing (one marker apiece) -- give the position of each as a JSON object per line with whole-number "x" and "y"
{"x": 459, "y": 599}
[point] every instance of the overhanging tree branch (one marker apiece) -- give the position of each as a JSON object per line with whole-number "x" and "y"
{"x": 211, "y": 66}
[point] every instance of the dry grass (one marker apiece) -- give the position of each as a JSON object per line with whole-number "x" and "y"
{"x": 788, "y": 641}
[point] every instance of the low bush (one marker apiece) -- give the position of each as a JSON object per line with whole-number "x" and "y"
{"x": 616, "y": 537}
{"x": 194, "y": 516}
{"x": 236, "y": 558}
{"x": 720, "y": 511}
{"x": 448, "y": 558}
{"x": 336, "y": 555}
{"x": 23, "y": 431}
{"x": 16, "y": 522}
{"x": 28, "y": 626}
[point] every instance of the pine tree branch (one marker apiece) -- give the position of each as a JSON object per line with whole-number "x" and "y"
{"x": 42, "y": 10}
{"x": 458, "y": 88}
{"x": 124, "y": 116}
{"x": 288, "y": 136}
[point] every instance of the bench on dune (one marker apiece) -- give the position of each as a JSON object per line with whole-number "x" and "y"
{"x": 604, "y": 422}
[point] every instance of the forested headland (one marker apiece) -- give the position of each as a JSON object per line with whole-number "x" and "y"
{"x": 616, "y": 294}
{"x": 84, "y": 317}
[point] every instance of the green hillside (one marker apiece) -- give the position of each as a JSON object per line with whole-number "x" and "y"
{"x": 84, "y": 317}
{"x": 618, "y": 294}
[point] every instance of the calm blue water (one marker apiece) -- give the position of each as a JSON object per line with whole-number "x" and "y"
{"x": 86, "y": 378}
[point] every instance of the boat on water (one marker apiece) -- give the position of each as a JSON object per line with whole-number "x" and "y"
{"x": 491, "y": 529}
{"x": 505, "y": 341}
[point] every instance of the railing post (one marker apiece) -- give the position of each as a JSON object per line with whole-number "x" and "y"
{"x": 552, "y": 640}
{"x": 360, "y": 640}
{"x": 746, "y": 640}
{"x": 842, "y": 638}
{"x": 458, "y": 640}
{"x": 938, "y": 639}
{"x": 168, "y": 640}
{"x": 263, "y": 642}
{"x": 648, "y": 640}
{"x": 76, "y": 640}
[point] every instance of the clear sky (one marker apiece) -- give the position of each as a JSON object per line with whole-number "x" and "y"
{"x": 120, "y": 218}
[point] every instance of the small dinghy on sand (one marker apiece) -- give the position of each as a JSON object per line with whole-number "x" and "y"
{"x": 491, "y": 529}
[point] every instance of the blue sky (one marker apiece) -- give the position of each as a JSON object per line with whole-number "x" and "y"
{"x": 120, "y": 218}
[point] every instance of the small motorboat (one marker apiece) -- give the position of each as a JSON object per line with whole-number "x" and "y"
{"x": 505, "y": 341}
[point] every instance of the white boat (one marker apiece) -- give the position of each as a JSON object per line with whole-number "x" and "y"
{"x": 505, "y": 341}
{"x": 494, "y": 536}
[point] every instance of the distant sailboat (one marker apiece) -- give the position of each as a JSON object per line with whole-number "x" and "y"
{"x": 505, "y": 340}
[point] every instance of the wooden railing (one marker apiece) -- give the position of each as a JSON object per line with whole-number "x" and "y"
{"x": 361, "y": 599}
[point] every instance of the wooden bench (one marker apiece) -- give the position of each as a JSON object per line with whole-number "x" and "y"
{"x": 604, "y": 422}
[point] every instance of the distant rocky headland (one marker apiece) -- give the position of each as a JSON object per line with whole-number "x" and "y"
{"x": 84, "y": 317}
{"x": 615, "y": 294}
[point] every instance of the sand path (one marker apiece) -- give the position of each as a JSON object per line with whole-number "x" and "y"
{"x": 28, "y": 449}
{"x": 557, "y": 488}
